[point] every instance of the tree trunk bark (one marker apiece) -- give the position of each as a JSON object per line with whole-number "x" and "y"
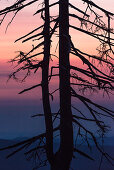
{"x": 62, "y": 159}
{"x": 45, "y": 86}
{"x": 66, "y": 130}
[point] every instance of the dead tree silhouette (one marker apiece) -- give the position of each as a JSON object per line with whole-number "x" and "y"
{"x": 89, "y": 78}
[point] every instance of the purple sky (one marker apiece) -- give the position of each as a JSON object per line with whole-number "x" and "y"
{"x": 15, "y": 109}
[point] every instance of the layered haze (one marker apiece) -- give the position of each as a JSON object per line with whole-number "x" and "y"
{"x": 15, "y": 109}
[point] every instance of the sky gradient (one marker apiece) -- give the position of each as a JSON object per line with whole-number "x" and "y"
{"x": 15, "y": 109}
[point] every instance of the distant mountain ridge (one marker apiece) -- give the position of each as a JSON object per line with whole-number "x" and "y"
{"x": 19, "y": 162}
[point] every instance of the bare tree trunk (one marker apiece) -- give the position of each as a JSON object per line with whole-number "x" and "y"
{"x": 62, "y": 159}
{"x": 64, "y": 155}
{"x": 45, "y": 87}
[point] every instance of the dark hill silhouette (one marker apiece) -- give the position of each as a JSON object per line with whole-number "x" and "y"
{"x": 19, "y": 162}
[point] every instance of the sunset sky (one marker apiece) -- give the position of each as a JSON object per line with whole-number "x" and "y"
{"x": 15, "y": 109}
